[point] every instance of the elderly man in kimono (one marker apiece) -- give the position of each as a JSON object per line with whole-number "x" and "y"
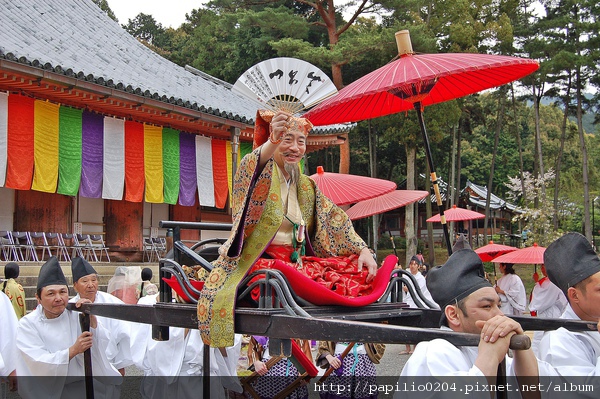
{"x": 8, "y": 351}
{"x": 51, "y": 345}
{"x": 573, "y": 265}
{"x": 279, "y": 215}
{"x": 85, "y": 282}
{"x": 470, "y": 304}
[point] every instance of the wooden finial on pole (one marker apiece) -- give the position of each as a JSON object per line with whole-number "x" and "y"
{"x": 403, "y": 43}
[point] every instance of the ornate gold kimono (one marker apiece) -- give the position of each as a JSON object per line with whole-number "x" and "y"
{"x": 257, "y": 215}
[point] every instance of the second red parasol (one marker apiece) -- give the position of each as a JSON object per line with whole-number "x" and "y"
{"x": 492, "y": 250}
{"x": 384, "y": 203}
{"x": 346, "y": 189}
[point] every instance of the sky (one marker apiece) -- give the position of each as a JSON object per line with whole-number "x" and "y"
{"x": 170, "y": 13}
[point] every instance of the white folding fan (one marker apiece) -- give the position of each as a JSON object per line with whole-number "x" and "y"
{"x": 284, "y": 83}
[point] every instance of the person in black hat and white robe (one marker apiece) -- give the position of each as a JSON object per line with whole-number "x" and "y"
{"x": 573, "y": 265}
{"x": 85, "y": 282}
{"x": 469, "y": 304}
{"x": 51, "y": 344}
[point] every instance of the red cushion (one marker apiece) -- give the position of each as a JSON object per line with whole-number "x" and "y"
{"x": 306, "y": 363}
{"x": 318, "y": 294}
{"x": 173, "y": 283}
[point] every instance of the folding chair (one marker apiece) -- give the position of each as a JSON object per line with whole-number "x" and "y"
{"x": 9, "y": 250}
{"x": 149, "y": 250}
{"x": 97, "y": 243}
{"x": 23, "y": 241}
{"x": 62, "y": 251}
{"x": 42, "y": 243}
{"x": 75, "y": 247}
{"x": 83, "y": 241}
{"x": 160, "y": 247}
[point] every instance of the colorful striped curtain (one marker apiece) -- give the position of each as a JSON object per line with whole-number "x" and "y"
{"x": 92, "y": 140}
{"x": 134, "y": 161}
{"x": 3, "y": 135}
{"x": 45, "y": 146}
{"x": 19, "y": 169}
{"x": 187, "y": 169}
{"x": 153, "y": 163}
{"x": 53, "y": 148}
{"x": 69, "y": 151}
{"x": 219, "y": 167}
{"x": 113, "y": 182}
{"x": 204, "y": 167}
{"x": 170, "y": 139}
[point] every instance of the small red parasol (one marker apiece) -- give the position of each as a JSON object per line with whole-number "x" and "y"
{"x": 456, "y": 214}
{"x": 385, "y": 202}
{"x": 533, "y": 255}
{"x": 345, "y": 189}
{"x": 414, "y": 81}
{"x": 492, "y": 250}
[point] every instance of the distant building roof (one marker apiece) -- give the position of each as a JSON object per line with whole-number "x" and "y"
{"x": 478, "y": 196}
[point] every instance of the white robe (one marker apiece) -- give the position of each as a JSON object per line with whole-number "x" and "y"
{"x": 8, "y": 331}
{"x": 174, "y": 368}
{"x": 119, "y": 350}
{"x": 572, "y": 353}
{"x": 549, "y": 302}
{"x": 423, "y": 287}
{"x": 43, "y": 346}
{"x": 514, "y": 299}
{"x": 439, "y": 358}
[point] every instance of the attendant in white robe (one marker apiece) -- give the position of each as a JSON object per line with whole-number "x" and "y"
{"x": 413, "y": 266}
{"x": 469, "y": 304}
{"x": 548, "y": 301}
{"x": 573, "y": 265}
{"x": 8, "y": 350}
{"x": 85, "y": 283}
{"x": 511, "y": 290}
{"x": 174, "y": 368}
{"x": 51, "y": 345}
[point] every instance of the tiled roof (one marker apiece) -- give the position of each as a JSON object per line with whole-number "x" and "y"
{"x": 76, "y": 38}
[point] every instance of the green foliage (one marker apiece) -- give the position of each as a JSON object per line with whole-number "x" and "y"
{"x": 103, "y": 4}
{"x": 226, "y": 37}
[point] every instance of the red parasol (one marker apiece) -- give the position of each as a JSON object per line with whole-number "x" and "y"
{"x": 383, "y": 203}
{"x": 491, "y": 251}
{"x": 530, "y": 256}
{"x": 414, "y": 81}
{"x": 456, "y": 214}
{"x": 345, "y": 189}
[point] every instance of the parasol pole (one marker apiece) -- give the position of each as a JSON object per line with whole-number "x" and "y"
{"x": 414, "y": 94}
{"x": 434, "y": 179}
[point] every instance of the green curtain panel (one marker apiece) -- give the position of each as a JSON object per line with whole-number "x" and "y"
{"x": 171, "y": 165}
{"x": 69, "y": 151}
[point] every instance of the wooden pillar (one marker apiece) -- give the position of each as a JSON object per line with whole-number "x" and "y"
{"x": 123, "y": 228}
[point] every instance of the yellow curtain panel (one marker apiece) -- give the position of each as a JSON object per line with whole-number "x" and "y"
{"x": 153, "y": 163}
{"x": 45, "y": 146}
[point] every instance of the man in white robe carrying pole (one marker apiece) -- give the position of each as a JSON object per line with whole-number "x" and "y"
{"x": 85, "y": 282}
{"x": 573, "y": 265}
{"x": 51, "y": 344}
{"x": 469, "y": 304}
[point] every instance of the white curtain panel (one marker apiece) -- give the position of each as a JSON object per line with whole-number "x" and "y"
{"x": 204, "y": 171}
{"x": 113, "y": 181}
{"x": 3, "y": 136}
